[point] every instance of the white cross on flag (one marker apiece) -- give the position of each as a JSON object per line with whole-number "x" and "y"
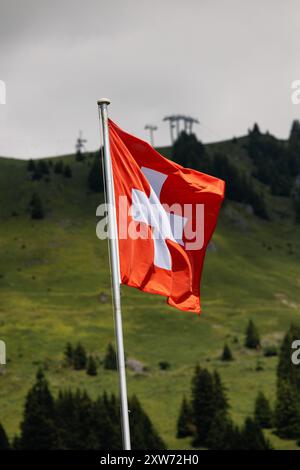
{"x": 151, "y": 212}
{"x": 166, "y": 215}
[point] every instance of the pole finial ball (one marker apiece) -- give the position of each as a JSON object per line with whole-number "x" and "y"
{"x": 103, "y": 101}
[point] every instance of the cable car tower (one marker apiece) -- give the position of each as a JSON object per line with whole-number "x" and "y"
{"x": 80, "y": 147}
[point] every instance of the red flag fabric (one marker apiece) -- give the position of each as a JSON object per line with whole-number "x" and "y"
{"x": 166, "y": 215}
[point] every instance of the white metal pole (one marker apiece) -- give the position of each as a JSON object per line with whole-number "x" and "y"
{"x": 115, "y": 270}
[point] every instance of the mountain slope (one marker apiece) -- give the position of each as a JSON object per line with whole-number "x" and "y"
{"x": 53, "y": 270}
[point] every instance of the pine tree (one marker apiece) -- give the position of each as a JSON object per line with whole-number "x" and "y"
{"x": 15, "y": 445}
{"x": 42, "y": 166}
{"x": 223, "y": 435}
{"x": 31, "y": 165}
{"x": 66, "y": 420}
{"x": 143, "y": 434}
{"x": 74, "y": 420}
{"x": 286, "y": 370}
{"x": 287, "y": 412}
{"x": 256, "y": 130}
{"x": 38, "y": 430}
{"x": 112, "y": 405}
{"x": 4, "y": 442}
{"x": 234, "y": 437}
{"x": 69, "y": 355}
{"x": 37, "y": 172}
{"x": 296, "y": 203}
{"x": 252, "y": 336}
{"x": 106, "y": 423}
{"x": 242, "y": 188}
{"x": 262, "y": 412}
{"x": 203, "y": 404}
{"x": 221, "y": 404}
{"x": 36, "y": 207}
{"x": 83, "y": 414}
{"x": 253, "y": 437}
{"x": 67, "y": 172}
{"x": 293, "y": 155}
{"x": 110, "y": 361}
{"x": 91, "y": 366}
{"x": 38, "y": 169}
{"x": 95, "y": 178}
{"x": 58, "y": 167}
{"x": 79, "y": 357}
{"x": 185, "y": 422}
{"x": 227, "y": 354}
{"x": 189, "y": 152}
{"x": 87, "y": 425}
{"x": 80, "y": 156}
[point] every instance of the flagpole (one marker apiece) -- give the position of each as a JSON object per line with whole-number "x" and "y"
{"x": 115, "y": 270}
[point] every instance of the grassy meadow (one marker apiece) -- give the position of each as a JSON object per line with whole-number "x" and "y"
{"x": 52, "y": 272}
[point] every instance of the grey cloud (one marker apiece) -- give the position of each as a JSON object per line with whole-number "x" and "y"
{"x": 229, "y": 63}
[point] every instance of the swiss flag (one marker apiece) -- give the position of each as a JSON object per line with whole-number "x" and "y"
{"x": 166, "y": 215}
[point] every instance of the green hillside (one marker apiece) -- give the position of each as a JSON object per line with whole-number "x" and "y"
{"x": 52, "y": 272}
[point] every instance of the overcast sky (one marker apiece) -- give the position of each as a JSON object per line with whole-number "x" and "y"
{"x": 227, "y": 62}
